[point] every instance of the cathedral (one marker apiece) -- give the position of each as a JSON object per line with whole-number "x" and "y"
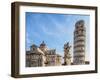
{"x": 42, "y": 56}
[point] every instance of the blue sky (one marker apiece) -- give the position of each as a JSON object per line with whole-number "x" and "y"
{"x": 53, "y": 29}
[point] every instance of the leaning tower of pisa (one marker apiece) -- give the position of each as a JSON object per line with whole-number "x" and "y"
{"x": 79, "y": 43}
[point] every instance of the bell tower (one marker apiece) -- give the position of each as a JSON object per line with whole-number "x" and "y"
{"x": 67, "y": 55}
{"x": 79, "y": 43}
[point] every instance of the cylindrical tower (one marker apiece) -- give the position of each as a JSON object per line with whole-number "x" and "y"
{"x": 79, "y": 43}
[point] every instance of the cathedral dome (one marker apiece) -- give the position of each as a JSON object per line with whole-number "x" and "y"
{"x": 43, "y": 44}
{"x": 33, "y": 45}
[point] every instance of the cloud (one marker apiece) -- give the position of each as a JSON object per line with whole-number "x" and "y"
{"x": 28, "y": 41}
{"x": 36, "y": 34}
{"x": 57, "y": 29}
{"x": 47, "y": 31}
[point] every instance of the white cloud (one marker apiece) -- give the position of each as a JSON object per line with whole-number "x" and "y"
{"x": 28, "y": 41}
{"x": 59, "y": 29}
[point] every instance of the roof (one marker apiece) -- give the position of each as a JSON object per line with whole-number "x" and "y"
{"x": 80, "y": 23}
{"x": 33, "y": 45}
{"x": 39, "y": 50}
{"x": 42, "y": 44}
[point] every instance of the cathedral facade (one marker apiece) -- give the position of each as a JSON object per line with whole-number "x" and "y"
{"x": 42, "y": 56}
